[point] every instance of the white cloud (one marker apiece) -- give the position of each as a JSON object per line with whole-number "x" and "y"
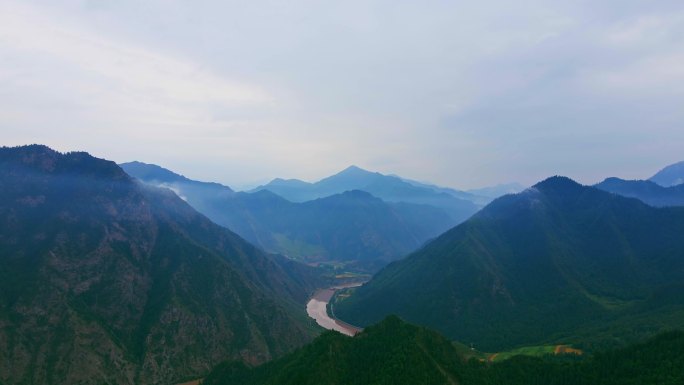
{"x": 49, "y": 55}
{"x": 659, "y": 75}
{"x": 461, "y": 93}
{"x": 649, "y": 29}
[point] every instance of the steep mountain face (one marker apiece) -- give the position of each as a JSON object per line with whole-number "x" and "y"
{"x": 646, "y": 191}
{"x": 385, "y": 187}
{"x": 558, "y": 261}
{"x": 393, "y": 352}
{"x": 671, "y": 175}
{"x": 105, "y": 280}
{"x": 352, "y": 227}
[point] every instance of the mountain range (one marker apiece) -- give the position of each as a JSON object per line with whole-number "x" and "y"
{"x": 646, "y": 191}
{"x": 480, "y": 196}
{"x": 106, "y": 280}
{"x": 128, "y": 274}
{"x": 352, "y": 227}
{"x": 458, "y": 204}
{"x": 557, "y": 262}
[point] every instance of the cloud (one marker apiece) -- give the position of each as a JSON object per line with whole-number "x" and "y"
{"x": 461, "y": 93}
{"x": 51, "y": 55}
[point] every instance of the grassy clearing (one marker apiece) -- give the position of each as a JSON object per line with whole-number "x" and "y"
{"x": 534, "y": 351}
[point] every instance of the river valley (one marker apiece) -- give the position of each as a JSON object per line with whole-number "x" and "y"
{"x": 316, "y": 308}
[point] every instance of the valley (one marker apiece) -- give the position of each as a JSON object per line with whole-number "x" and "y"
{"x": 346, "y": 223}
{"x": 131, "y": 268}
{"x": 367, "y": 192}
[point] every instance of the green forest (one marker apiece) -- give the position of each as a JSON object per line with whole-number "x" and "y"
{"x": 395, "y": 352}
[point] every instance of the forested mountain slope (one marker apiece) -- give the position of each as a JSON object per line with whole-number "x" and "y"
{"x": 106, "y": 280}
{"x": 559, "y": 261}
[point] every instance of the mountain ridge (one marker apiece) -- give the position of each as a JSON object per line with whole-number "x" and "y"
{"x": 356, "y": 227}
{"x": 646, "y": 191}
{"x": 533, "y": 266}
{"x": 394, "y": 351}
{"x": 386, "y": 187}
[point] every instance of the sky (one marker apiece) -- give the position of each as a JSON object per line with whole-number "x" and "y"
{"x": 459, "y": 93}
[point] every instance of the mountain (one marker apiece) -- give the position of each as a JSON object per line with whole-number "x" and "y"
{"x": 646, "y": 191}
{"x": 394, "y": 352}
{"x": 106, "y": 280}
{"x": 386, "y": 187}
{"x": 479, "y": 196}
{"x": 352, "y": 227}
{"x": 671, "y": 175}
{"x": 557, "y": 262}
{"x": 169, "y": 179}
{"x": 357, "y": 226}
{"x": 478, "y": 200}
{"x": 494, "y": 192}
{"x": 391, "y": 352}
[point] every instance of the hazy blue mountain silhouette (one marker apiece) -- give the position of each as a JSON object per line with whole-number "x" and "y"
{"x": 671, "y": 175}
{"x": 354, "y": 226}
{"x": 386, "y": 187}
{"x": 646, "y": 191}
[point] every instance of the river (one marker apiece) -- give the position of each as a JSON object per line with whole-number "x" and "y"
{"x": 316, "y": 308}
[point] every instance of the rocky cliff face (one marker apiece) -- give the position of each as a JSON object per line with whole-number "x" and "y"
{"x": 103, "y": 280}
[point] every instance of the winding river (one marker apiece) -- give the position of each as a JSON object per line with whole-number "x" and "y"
{"x": 316, "y": 308}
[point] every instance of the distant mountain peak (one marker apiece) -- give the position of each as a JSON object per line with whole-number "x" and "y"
{"x": 671, "y": 175}
{"x": 355, "y": 170}
{"x": 353, "y": 167}
{"x": 558, "y": 182}
{"x": 287, "y": 182}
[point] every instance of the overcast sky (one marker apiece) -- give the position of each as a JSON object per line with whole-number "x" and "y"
{"x": 460, "y": 93}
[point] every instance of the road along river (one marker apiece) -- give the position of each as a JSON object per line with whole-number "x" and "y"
{"x": 316, "y": 308}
